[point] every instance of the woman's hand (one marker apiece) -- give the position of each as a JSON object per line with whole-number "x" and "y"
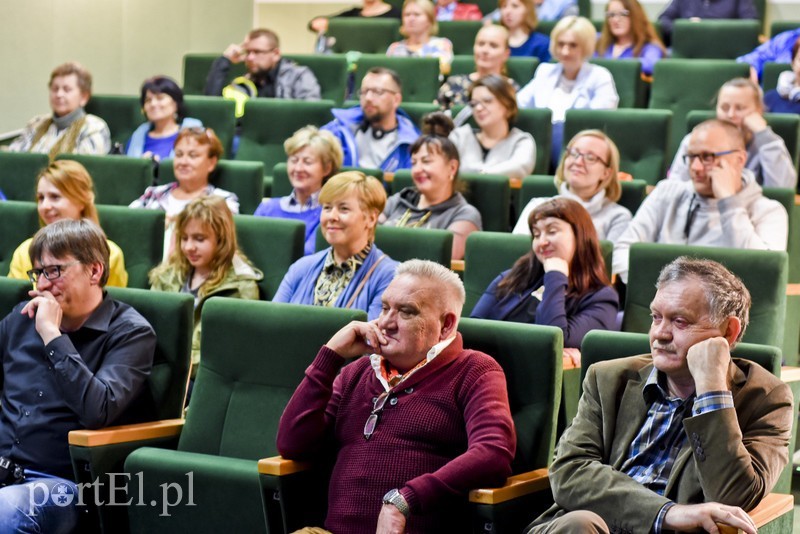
{"x": 755, "y": 122}
{"x": 556, "y": 264}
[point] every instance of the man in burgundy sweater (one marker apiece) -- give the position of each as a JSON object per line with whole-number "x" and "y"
{"x": 415, "y": 425}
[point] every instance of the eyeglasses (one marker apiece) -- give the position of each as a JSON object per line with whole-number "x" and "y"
{"x": 51, "y": 272}
{"x": 377, "y": 91}
{"x": 707, "y": 158}
{"x": 257, "y": 52}
{"x": 588, "y": 157}
{"x": 622, "y": 13}
{"x": 372, "y": 420}
{"x": 474, "y": 103}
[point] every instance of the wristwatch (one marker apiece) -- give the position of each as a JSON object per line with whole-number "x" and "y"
{"x": 396, "y": 499}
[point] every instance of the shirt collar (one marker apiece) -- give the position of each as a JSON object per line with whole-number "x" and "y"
{"x": 311, "y": 203}
{"x": 351, "y": 263}
{"x": 101, "y": 316}
{"x": 655, "y": 389}
{"x": 376, "y": 360}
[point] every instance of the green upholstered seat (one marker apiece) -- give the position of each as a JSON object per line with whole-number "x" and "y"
{"x": 19, "y": 221}
{"x": 245, "y": 178}
{"x": 461, "y": 33}
{"x": 489, "y": 193}
{"x": 122, "y": 113}
{"x": 763, "y": 272}
{"x": 330, "y": 71}
{"x": 537, "y": 186}
{"x": 12, "y": 292}
{"x": 214, "y": 112}
{"x": 419, "y": 75}
{"x": 714, "y": 39}
{"x": 254, "y": 356}
{"x": 268, "y": 122}
{"x": 417, "y": 110}
{"x": 682, "y": 85}
{"x": 769, "y": 76}
{"x": 18, "y": 173}
{"x": 195, "y": 72}
{"x": 140, "y": 235}
{"x": 272, "y": 244}
{"x": 366, "y": 35}
{"x": 519, "y": 69}
{"x": 780, "y": 26}
{"x": 627, "y": 74}
{"x": 641, "y": 155}
{"x": 403, "y": 244}
{"x": 118, "y": 180}
{"x": 786, "y": 125}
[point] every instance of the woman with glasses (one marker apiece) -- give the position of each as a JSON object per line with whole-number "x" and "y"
{"x": 572, "y": 82}
{"x": 628, "y": 34}
{"x": 162, "y": 104}
{"x": 434, "y": 200}
{"x": 419, "y": 28}
{"x": 519, "y": 18}
{"x": 496, "y": 147}
{"x": 490, "y": 53}
{"x": 561, "y": 282}
{"x": 739, "y": 102}
{"x": 64, "y": 190}
{"x": 587, "y": 174}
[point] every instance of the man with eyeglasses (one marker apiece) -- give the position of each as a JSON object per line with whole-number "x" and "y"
{"x": 376, "y": 134}
{"x": 72, "y": 358}
{"x": 272, "y": 75}
{"x": 721, "y": 206}
{"x": 414, "y": 425}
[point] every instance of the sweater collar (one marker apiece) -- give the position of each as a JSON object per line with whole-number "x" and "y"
{"x": 65, "y": 121}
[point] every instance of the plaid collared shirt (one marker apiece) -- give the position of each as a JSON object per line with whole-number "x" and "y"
{"x": 290, "y": 204}
{"x": 653, "y": 451}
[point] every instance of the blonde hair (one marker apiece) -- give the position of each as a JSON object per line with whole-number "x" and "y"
{"x": 74, "y": 182}
{"x": 612, "y": 187}
{"x": 531, "y": 21}
{"x": 322, "y": 142}
{"x": 430, "y": 11}
{"x": 584, "y": 32}
{"x": 369, "y": 190}
{"x": 213, "y": 213}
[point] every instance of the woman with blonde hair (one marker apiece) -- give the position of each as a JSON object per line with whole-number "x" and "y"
{"x": 65, "y": 190}
{"x": 352, "y": 272}
{"x": 628, "y": 34}
{"x": 419, "y": 28}
{"x": 587, "y": 174}
{"x": 207, "y": 261}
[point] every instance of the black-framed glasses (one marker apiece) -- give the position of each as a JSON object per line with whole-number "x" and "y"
{"x": 372, "y": 420}
{"x": 377, "y": 91}
{"x": 707, "y": 158}
{"x": 51, "y": 272}
{"x": 588, "y": 157}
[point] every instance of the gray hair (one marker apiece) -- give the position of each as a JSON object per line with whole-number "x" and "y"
{"x": 436, "y": 273}
{"x": 726, "y": 294}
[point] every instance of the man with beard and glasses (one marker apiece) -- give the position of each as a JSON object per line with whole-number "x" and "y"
{"x": 681, "y": 438}
{"x": 376, "y": 134}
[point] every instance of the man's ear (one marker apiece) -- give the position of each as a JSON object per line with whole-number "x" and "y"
{"x": 731, "y": 329}
{"x": 449, "y": 324}
{"x": 96, "y": 273}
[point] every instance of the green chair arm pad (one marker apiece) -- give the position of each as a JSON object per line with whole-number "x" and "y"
{"x": 515, "y": 486}
{"x": 126, "y": 433}
{"x": 278, "y": 466}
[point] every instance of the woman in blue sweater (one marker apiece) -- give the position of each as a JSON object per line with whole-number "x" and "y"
{"x": 352, "y": 272}
{"x": 561, "y": 282}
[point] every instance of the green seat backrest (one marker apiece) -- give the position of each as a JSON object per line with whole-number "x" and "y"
{"x": 769, "y": 76}
{"x": 682, "y": 85}
{"x": 787, "y": 199}
{"x": 18, "y": 173}
{"x": 268, "y": 122}
{"x": 461, "y": 33}
{"x": 489, "y": 193}
{"x": 245, "y": 178}
{"x": 12, "y": 292}
{"x": 537, "y": 186}
{"x": 780, "y": 26}
{"x": 19, "y": 221}
{"x": 764, "y": 273}
{"x": 330, "y": 71}
{"x": 416, "y": 111}
{"x": 171, "y": 315}
{"x": 118, "y": 180}
{"x": 786, "y": 125}
{"x": 122, "y": 113}
{"x": 530, "y": 356}
{"x": 254, "y": 357}
{"x": 403, "y": 244}
{"x": 272, "y": 244}
{"x": 714, "y": 39}
{"x": 140, "y": 235}
{"x": 195, "y": 72}
{"x": 519, "y": 69}
{"x": 627, "y": 73}
{"x": 486, "y": 255}
{"x": 214, "y": 112}
{"x": 642, "y": 156}
{"x": 366, "y": 35}
{"x": 420, "y": 75}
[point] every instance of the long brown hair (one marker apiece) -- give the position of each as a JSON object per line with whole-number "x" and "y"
{"x": 642, "y": 30}
{"x": 587, "y": 271}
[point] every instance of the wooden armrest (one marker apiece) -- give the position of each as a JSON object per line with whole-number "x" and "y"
{"x": 457, "y": 265}
{"x": 771, "y": 507}
{"x": 515, "y": 486}
{"x": 514, "y": 183}
{"x": 126, "y": 433}
{"x": 792, "y": 290}
{"x": 790, "y": 374}
{"x": 279, "y": 466}
{"x": 388, "y": 177}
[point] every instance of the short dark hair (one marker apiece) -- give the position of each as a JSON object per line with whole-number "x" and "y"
{"x": 389, "y": 72}
{"x": 164, "y": 85}
{"x": 503, "y": 91}
{"x": 81, "y": 238}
